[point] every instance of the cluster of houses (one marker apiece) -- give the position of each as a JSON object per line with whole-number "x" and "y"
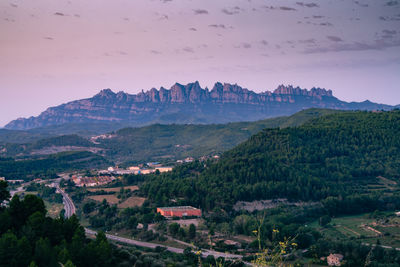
{"x": 151, "y": 168}
{"x": 92, "y": 181}
{"x": 11, "y": 181}
{"x": 334, "y": 259}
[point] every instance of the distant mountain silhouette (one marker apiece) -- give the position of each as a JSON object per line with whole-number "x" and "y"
{"x": 190, "y": 104}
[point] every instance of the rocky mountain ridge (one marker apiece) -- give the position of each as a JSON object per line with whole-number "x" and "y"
{"x": 189, "y": 104}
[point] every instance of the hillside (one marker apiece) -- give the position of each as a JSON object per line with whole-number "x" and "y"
{"x": 49, "y": 166}
{"x": 336, "y": 155}
{"x": 189, "y": 104}
{"x": 162, "y": 142}
{"x": 81, "y": 129}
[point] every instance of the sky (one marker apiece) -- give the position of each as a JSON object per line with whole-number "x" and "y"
{"x": 55, "y": 51}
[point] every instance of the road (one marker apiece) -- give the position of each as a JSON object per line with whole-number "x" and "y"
{"x": 70, "y": 210}
{"x": 69, "y": 206}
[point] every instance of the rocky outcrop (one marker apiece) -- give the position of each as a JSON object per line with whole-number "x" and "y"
{"x": 189, "y": 104}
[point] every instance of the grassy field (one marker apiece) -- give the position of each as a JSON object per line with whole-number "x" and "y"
{"x": 111, "y": 199}
{"x": 53, "y": 209}
{"x": 364, "y": 228}
{"x": 132, "y": 202}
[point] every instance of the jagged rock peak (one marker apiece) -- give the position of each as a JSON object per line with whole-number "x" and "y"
{"x": 290, "y": 90}
{"x": 106, "y": 93}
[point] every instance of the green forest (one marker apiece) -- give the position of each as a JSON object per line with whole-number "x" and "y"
{"x": 333, "y": 158}
{"x": 155, "y": 142}
{"x": 49, "y": 166}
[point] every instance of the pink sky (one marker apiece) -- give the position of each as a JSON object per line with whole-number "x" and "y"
{"x": 52, "y": 52}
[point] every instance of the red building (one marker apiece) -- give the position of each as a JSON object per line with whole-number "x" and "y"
{"x": 180, "y": 211}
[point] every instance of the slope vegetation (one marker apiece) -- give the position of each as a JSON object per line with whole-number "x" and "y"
{"x": 337, "y": 155}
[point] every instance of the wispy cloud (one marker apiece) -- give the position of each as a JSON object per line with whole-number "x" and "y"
{"x": 283, "y": 8}
{"x": 361, "y": 4}
{"x": 200, "y": 12}
{"x": 307, "y": 4}
{"x": 188, "y": 49}
{"x": 356, "y": 46}
{"x": 218, "y": 26}
{"x": 334, "y": 38}
{"x": 392, "y": 3}
{"x": 231, "y": 11}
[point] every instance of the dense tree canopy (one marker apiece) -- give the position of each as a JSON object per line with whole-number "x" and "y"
{"x": 334, "y": 156}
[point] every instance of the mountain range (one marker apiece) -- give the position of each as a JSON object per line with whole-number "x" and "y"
{"x": 189, "y": 104}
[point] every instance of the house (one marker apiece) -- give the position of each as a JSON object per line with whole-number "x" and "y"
{"x": 179, "y": 211}
{"x": 164, "y": 169}
{"x": 334, "y": 259}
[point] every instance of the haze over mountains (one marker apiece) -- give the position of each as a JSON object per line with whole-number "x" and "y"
{"x": 190, "y": 104}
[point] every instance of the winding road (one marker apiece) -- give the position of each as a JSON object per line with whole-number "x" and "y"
{"x": 70, "y": 210}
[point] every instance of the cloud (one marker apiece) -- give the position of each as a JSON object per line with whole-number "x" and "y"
{"x": 284, "y": 8}
{"x": 388, "y": 34}
{"x": 14, "y": 5}
{"x": 231, "y": 11}
{"x": 307, "y": 4}
{"x": 393, "y": 18}
{"x": 193, "y": 29}
{"x": 318, "y": 17}
{"x": 200, "y": 11}
{"x": 307, "y": 41}
{"x": 155, "y": 52}
{"x": 334, "y": 38}
{"x": 59, "y": 14}
{"x": 357, "y": 46}
{"x": 188, "y": 49}
{"x": 48, "y": 38}
{"x": 391, "y": 32}
{"x": 263, "y": 42}
{"x": 392, "y": 3}
{"x": 361, "y": 4}
{"x": 325, "y": 24}
{"x": 219, "y": 26}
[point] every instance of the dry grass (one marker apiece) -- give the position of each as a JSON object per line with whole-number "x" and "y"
{"x": 113, "y": 189}
{"x": 111, "y": 199}
{"x": 132, "y": 202}
{"x": 53, "y": 209}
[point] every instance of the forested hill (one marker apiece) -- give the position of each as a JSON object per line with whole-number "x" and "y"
{"x": 336, "y": 155}
{"x": 156, "y": 142}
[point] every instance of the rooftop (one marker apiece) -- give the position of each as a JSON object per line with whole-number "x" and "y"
{"x": 178, "y": 208}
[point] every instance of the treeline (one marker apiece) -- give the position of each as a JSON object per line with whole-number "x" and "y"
{"x": 333, "y": 156}
{"x": 29, "y": 238}
{"x": 45, "y": 192}
{"x": 48, "y": 167}
{"x": 15, "y": 149}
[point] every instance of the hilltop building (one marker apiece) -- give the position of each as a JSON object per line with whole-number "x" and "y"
{"x": 179, "y": 211}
